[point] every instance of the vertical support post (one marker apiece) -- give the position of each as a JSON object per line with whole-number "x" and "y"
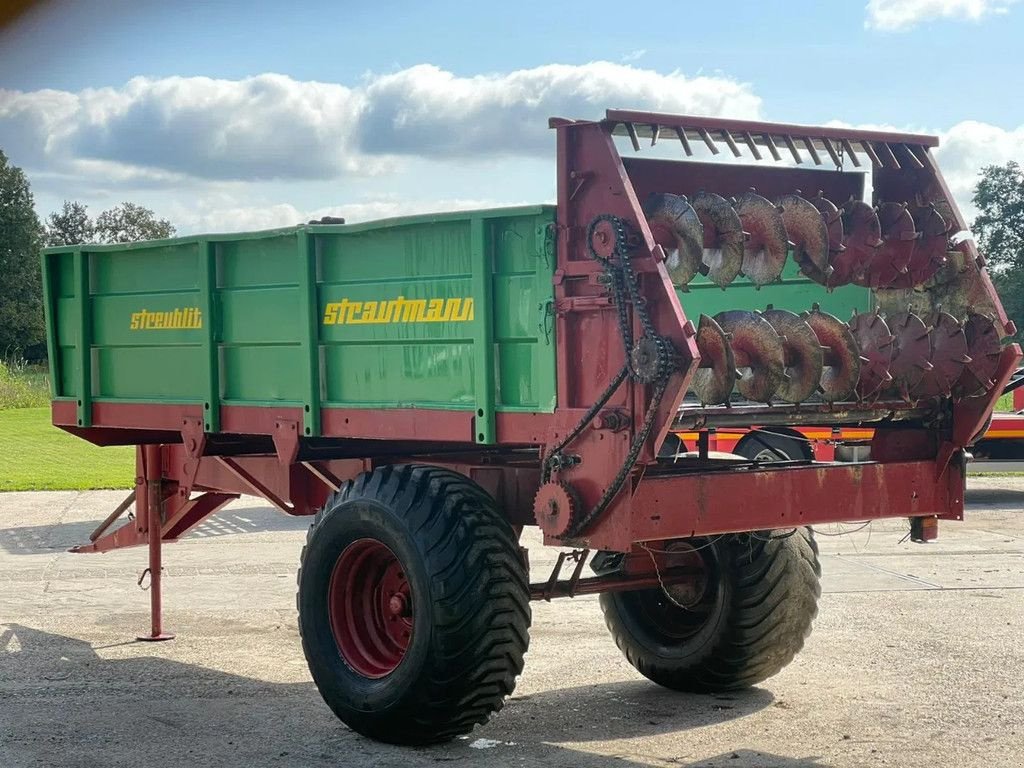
{"x": 211, "y": 355}
{"x": 83, "y": 316}
{"x": 309, "y": 332}
{"x": 483, "y": 331}
{"x": 49, "y": 274}
{"x": 152, "y": 501}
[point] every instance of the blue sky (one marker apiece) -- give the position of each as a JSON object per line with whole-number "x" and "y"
{"x": 213, "y": 113}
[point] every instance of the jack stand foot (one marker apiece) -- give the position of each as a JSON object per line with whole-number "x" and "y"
{"x": 155, "y": 638}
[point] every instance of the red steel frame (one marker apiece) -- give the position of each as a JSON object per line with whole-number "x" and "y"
{"x": 184, "y": 475}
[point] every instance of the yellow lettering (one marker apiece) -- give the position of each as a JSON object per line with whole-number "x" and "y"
{"x": 398, "y": 310}
{"x": 353, "y": 308}
{"x": 466, "y": 313}
{"x": 434, "y": 311}
{"x": 369, "y": 312}
{"x": 331, "y": 313}
{"x": 414, "y": 309}
{"x": 179, "y": 318}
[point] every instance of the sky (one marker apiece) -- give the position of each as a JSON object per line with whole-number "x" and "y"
{"x": 225, "y": 116}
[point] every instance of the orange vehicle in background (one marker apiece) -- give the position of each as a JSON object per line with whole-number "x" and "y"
{"x": 1001, "y": 444}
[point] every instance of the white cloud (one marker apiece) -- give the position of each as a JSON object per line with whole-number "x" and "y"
{"x": 636, "y": 55}
{"x": 231, "y": 214}
{"x": 428, "y": 111}
{"x": 900, "y": 15}
{"x": 969, "y": 146}
{"x": 273, "y": 127}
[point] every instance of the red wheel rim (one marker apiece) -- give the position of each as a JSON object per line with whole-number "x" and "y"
{"x": 370, "y": 605}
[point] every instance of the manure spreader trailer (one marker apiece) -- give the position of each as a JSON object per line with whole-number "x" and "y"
{"x": 425, "y": 387}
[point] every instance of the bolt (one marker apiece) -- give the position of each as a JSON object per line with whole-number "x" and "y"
{"x": 398, "y": 605}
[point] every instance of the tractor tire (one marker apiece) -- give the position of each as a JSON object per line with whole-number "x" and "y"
{"x": 413, "y": 604}
{"x": 768, "y": 447}
{"x": 745, "y": 621}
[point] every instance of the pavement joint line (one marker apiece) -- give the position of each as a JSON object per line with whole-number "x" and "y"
{"x": 904, "y": 576}
{"x": 928, "y": 553}
{"x": 57, "y": 554}
{"x": 937, "y": 589}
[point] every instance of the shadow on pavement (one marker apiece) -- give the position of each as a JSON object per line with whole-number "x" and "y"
{"x": 65, "y": 705}
{"x": 40, "y": 539}
{"x": 1011, "y": 497}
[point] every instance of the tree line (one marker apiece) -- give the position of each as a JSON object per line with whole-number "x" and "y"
{"x": 999, "y": 228}
{"x": 23, "y": 235}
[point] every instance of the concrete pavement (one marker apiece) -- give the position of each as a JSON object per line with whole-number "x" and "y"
{"x": 916, "y": 658}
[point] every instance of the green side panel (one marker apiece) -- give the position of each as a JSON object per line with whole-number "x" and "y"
{"x": 113, "y": 316}
{"x": 253, "y": 263}
{"x": 524, "y": 261}
{"x": 261, "y": 374}
{"x": 147, "y": 373}
{"x": 795, "y": 293}
{"x": 67, "y": 372}
{"x": 403, "y": 253}
{"x": 450, "y": 311}
{"x": 157, "y": 269}
{"x": 424, "y": 374}
{"x": 259, "y": 316}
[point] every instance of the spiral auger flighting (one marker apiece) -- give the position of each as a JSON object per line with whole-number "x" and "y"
{"x": 924, "y": 340}
{"x": 777, "y": 357}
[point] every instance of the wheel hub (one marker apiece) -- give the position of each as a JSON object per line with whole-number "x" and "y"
{"x": 689, "y": 593}
{"x": 370, "y": 604}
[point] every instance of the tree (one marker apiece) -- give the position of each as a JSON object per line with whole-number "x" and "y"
{"x": 128, "y": 223}
{"x": 69, "y": 226}
{"x": 999, "y": 228}
{"x": 21, "y": 295}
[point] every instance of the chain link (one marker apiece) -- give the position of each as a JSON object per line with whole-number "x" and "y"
{"x": 626, "y": 291}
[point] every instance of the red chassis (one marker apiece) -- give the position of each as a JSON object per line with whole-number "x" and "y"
{"x": 185, "y": 475}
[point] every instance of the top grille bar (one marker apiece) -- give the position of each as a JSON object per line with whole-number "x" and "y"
{"x": 801, "y": 142}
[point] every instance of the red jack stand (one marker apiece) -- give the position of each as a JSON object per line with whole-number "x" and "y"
{"x": 150, "y": 504}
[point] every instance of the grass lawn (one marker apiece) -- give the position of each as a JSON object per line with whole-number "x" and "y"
{"x": 36, "y": 456}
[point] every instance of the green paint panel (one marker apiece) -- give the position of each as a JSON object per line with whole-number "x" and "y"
{"x": 64, "y": 276}
{"x": 447, "y": 311}
{"x": 144, "y": 373}
{"x": 167, "y": 268}
{"x": 400, "y": 375}
{"x": 795, "y": 293}
{"x": 249, "y": 263}
{"x": 263, "y": 374}
{"x": 118, "y": 320}
{"x": 259, "y": 316}
{"x": 67, "y": 323}
{"x": 67, "y": 372}
{"x": 402, "y": 253}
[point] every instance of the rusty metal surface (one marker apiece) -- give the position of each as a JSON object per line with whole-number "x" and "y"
{"x": 833, "y": 222}
{"x": 758, "y": 351}
{"x": 764, "y": 253}
{"x": 983, "y": 347}
{"x": 877, "y": 346}
{"x": 913, "y": 352}
{"x": 554, "y": 507}
{"x": 842, "y": 355}
{"x": 806, "y": 414}
{"x": 677, "y": 229}
{"x": 809, "y": 234}
{"x": 863, "y": 236}
{"x": 715, "y": 380}
{"x": 930, "y": 249}
{"x": 948, "y": 357}
{"x": 803, "y": 355}
{"x": 891, "y": 260}
{"x": 723, "y": 237}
